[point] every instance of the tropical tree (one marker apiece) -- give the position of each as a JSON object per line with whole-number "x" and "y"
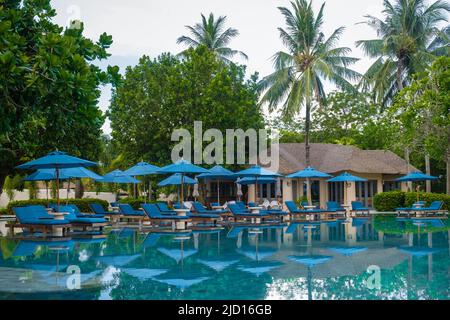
{"x": 49, "y": 84}
{"x": 212, "y": 33}
{"x": 160, "y": 95}
{"x": 311, "y": 59}
{"x": 409, "y": 40}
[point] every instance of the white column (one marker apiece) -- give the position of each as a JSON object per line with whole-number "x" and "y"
{"x": 287, "y": 191}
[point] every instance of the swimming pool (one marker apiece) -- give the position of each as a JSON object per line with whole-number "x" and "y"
{"x": 360, "y": 259}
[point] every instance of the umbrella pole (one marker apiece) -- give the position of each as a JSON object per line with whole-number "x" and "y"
{"x": 182, "y": 191}
{"x": 308, "y": 191}
{"x": 46, "y": 191}
{"x": 57, "y": 188}
{"x": 218, "y": 192}
{"x": 68, "y": 190}
{"x": 256, "y": 189}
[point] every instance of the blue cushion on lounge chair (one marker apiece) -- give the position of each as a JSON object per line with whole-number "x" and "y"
{"x": 334, "y": 206}
{"x": 204, "y": 215}
{"x": 292, "y": 207}
{"x": 358, "y": 206}
{"x": 434, "y": 206}
{"x": 98, "y": 209}
{"x": 36, "y": 215}
{"x": 201, "y": 209}
{"x": 73, "y": 218}
{"x": 153, "y": 212}
{"x": 241, "y": 205}
{"x": 235, "y": 209}
{"x": 127, "y": 210}
{"x": 33, "y": 215}
{"x": 162, "y": 206}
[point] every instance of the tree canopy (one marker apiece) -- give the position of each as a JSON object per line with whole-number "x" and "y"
{"x": 160, "y": 95}
{"x": 49, "y": 84}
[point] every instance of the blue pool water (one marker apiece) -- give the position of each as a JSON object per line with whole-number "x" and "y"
{"x": 362, "y": 259}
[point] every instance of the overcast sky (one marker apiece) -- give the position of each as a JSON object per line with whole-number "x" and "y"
{"x": 151, "y": 27}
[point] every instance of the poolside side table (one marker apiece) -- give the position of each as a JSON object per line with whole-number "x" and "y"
{"x": 308, "y": 208}
{"x": 181, "y": 225}
{"x": 58, "y": 216}
{"x": 217, "y": 208}
{"x": 255, "y": 210}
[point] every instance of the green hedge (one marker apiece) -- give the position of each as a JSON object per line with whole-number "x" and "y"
{"x": 388, "y": 201}
{"x": 82, "y": 204}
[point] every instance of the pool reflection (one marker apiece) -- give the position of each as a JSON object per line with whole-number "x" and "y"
{"x": 288, "y": 261}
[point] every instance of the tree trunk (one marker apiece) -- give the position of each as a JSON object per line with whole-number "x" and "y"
{"x": 399, "y": 74}
{"x": 307, "y": 127}
{"x": 307, "y": 148}
{"x": 79, "y": 189}
{"x": 2, "y": 182}
{"x": 428, "y": 172}
{"x": 408, "y": 170}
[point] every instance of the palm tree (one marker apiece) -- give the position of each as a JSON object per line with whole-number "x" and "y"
{"x": 409, "y": 40}
{"x": 212, "y": 34}
{"x": 311, "y": 59}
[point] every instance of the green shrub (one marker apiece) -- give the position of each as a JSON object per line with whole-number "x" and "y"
{"x": 135, "y": 203}
{"x": 82, "y": 204}
{"x": 388, "y": 201}
{"x": 3, "y": 211}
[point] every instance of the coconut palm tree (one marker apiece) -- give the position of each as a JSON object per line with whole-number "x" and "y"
{"x": 212, "y": 34}
{"x": 310, "y": 59}
{"x": 409, "y": 40}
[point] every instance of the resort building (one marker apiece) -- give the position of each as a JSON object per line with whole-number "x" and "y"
{"x": 380, "y": 167}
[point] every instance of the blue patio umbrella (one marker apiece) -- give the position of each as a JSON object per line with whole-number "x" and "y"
{"x": 249, "y": 180}
{"x": 416, "y": 177}
{"x": 118, "y": 176}
{"x": 57, "y": 160}
{"x": 64, "y": 174}
{"x": 218, "y": 173}
{"x": 256, "y": 172}
{"x": 142, "y": 169}
{"x": 309, "y": 173}
{"x": 176, "y": 180}
{"x": 183, "y": 167}
{"x": 346, "y": 178}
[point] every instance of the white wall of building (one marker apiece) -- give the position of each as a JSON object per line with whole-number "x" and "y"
{"x": 24, "y": 195}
